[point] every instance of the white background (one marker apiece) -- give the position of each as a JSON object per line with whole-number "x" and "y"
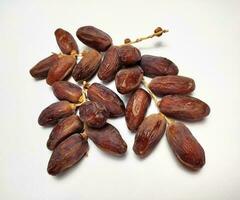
{"x": 203, "y": 41}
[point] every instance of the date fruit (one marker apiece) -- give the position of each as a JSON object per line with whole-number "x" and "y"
{"x": 94, "y": 114}
{"x": 66, "y": 42}
{"x": 94, "y": 38}
{"x": 110, "y": 65}
{"x": 67, "y": 153}
{"x": 40, "y": 70}
{"x": 61, "y": 69}
{"x": 128, "y": 80}
{"x": 157, "y": 66}
{"x": 149, "y": 134}
{"x": 171, "y": 84}
{"x": 87, "y": 66}
{"x": 56, "y": 111}
{"x": 136, "y": 109}
{"x": 101, "y": 94}
{"x": 65, "y": 90}
{"x": 63, "y": 130}
{"x": 129, "y": 55}
{"x": 185, "y": 146}
{"x": 184, "y": 107}
{"x": 108, "y": 139}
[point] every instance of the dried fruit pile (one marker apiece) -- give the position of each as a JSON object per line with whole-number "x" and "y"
{"x": 82, "y": 112}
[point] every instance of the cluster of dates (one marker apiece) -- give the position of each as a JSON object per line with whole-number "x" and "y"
{"x": 82, "y": 112}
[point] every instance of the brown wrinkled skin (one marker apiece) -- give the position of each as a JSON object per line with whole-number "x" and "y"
{"x": 157, "y": 66}
{"x": 94, "y": 38}
{"x": 136, "y": 109}
{"x": 128, "y": 80}
{"x": 149, "y": 134}
{"x": 129, "y": 55}
{"x": 110, "y": 65}
{"x": 65, "y": 90}
{"x": 184, "y": 107}
{"x": 94, "y": 114}
{"x": 63, "y": 130}
{"x": 88, "y": 66}
{"x": 65, "y": 41}
{"x": 67, "y": 153}
{"x": 185, "y": 146}
{"x": 101, "y": 94}
{"x": 108, "y": 139}
{"x": 171, "y": 84}
{"x": 56, "y": 111}
{"x": 61, "y": 69}
{"x": 40, "y": 70}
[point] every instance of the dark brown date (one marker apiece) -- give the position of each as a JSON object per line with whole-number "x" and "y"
{"x": 101, "y": 94}
{"x": 65, "y": 90}
{"x": 56, "y": 111}
{"x": 128, "y": 80}
{"x": 136, "y": 109}
{"x": 94, "y": 114}
{"x": 184, "y": 107}
{"x": 63, "y": 130}
{"x": 61, "y": 69}
{"x": 40, "y": 70}
{"x": 94, "y": 38}
{"x": 66, "y": 42}
{"x": 157, "y": 66}
{"x": 88, "y": 66}
{"x": 67, "y": 153}
{"x": 149, "y": 134}
{"x": 109, "y": 65}
{"x": 108, "y": 139}
{"x": 171, "y": 84}
{"x": 129, "y": 55}
{"x": 185, "y": 146}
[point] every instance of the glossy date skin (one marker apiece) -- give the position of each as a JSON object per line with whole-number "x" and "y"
{"x": 157, "y": 66}
{"x": 99, "y": 93}
{"x": 67, "y": 153}
{"x": 129, "y": 55}
{"x": 185, "y": 146}
{"x": 149, "y": 134}
{"x": 184, "y": 107}
{"x": 94, "y": 38}
{"x": 108, "y": 139}
{"x": 110, "y": 65}
{"x": 136, "y": 109}
{"x": 129, "y": 79}
{"x": 171, "y": 84}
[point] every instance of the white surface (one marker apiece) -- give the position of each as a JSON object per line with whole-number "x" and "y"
{"x": 203, "y": 41}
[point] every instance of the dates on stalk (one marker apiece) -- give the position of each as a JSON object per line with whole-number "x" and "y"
{"x": 40, "y": 70}
{"x": 56, "y": 111}
{"x": 136, "y": 109}
{"x": 64, "y": 129}
{"x": 87, "y": 66}
{"x": 94, "y": 114}
{"x": 128, "y": 80}
{"x": 171, "y": 84}
{"x": 94, "y": 38}
{"x": 157, "y": 66}
{"x": 65, "y": 90}
{"x": 184, "y": 107}
{"x": 149, "y": 134}
{"x": 185, "y": 146}
{"x": 110, "y": 65}
{"x": 67, "y": 153}
{"x": 129, "y": 55}
{"x": 66, "y": 42}
{"x": 108, "y": 139}
{"x": 101, "y": 94}
{"x": 61, "y": 69}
